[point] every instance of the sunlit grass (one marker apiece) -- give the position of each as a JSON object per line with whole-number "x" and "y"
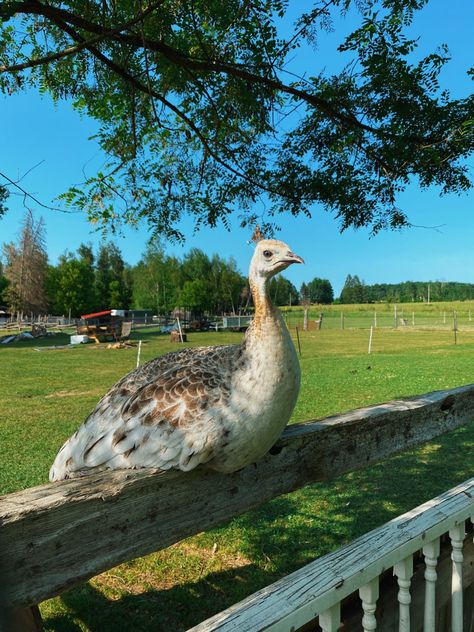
{"x": 45, "y": 395}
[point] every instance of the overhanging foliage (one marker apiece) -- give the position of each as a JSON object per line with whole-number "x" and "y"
{"x": 200, "y": 113}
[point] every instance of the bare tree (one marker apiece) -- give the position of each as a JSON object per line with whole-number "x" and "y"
{"x": 25, "y": 268}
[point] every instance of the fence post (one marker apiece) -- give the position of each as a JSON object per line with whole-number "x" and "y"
{"x": 403, "y": 571}
{"x": 21, "y": 620}
{"x": 457, "y": 538}
{"x": 431, "y": 554}
{"x": 330, "y": 620}
{"x": 369, "y": 595}
{"x": 298, "y": 339}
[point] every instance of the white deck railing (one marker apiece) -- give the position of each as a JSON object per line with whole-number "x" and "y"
{"x": 318, "y": 588}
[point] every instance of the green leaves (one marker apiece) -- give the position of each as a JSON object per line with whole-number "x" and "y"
{"x": 3, "y": 199}
{"x": 199, "y": 116}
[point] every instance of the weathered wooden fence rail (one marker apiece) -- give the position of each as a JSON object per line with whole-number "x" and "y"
{"x": 54, "y": 536}
{"x": 318, "y": 588}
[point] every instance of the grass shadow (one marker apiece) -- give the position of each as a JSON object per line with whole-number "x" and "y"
{"x": 176, "y": 608}
{"x": 324, "y": 516}
{"x": 275, "y": 539}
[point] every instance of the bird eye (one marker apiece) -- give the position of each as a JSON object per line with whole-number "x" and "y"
{"x": 267, "y": 253}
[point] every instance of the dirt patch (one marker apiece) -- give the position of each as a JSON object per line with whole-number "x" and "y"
{"x": 68, "y": 394}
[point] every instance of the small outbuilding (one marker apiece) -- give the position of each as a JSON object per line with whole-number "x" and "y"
{"x": 108, "y": 324}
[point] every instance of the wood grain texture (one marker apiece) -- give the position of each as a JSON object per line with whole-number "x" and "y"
{"x": 293, "y": 601}
{"x": 53, "y": 536}
{"x": 387, "y": 603}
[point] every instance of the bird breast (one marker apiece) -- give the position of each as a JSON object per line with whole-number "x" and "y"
{"x": 263, "y": 394}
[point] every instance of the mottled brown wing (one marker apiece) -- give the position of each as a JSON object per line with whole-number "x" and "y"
{"x": 172, "y": 421}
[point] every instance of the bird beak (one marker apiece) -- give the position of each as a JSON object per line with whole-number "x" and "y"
{"x": 290, "y": 257}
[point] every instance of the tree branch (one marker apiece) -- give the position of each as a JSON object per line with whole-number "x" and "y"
{"x": 305, "y": 26}
{"x": 29, "y": 195}
{"x": 78, "y": 47}
{"x": 182, "y": 60}
{"x": 148, "y": 90}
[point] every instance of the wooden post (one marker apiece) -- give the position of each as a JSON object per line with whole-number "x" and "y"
{"x": 298, "y": 339}
{"x": 330, "y": 620}
{"x": 457, "y": 539}
{"x": 138, "y": 352}
{"x": 375, "y": 319}
{"x": 455, "y": 327}
{"x": 21, "y": 620}
{"x": 368, "y": 596}
{"x": 305, "y": 319}
{"x": 342, "y": 320}
{"x": 431, "y": 553}
{"x": 179, "y": 329}
{"x": 395, "y": 316}
{"x": 370, "y": 339}
{"x": 403, "y": 571}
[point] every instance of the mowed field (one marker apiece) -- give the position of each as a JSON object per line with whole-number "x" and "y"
{"x": 45, "y": 395}
{"x": 412, "y": 315}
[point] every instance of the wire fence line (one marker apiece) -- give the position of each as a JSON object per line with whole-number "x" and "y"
{"x": 400, "y": 318}
{"x": 427, "y": 316}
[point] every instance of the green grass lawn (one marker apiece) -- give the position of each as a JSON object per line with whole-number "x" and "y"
{"x": 432, "y": 315}
{"x": 45, "y": 395}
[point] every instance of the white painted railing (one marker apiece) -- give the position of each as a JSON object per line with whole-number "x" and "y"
{"x": 318, "y": 588}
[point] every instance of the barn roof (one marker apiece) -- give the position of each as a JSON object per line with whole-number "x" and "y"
{"x": 97, "y": 314}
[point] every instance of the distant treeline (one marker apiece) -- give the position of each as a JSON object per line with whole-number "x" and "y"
{"x": 88, "y": 281}
{"x": 356, "y": 291}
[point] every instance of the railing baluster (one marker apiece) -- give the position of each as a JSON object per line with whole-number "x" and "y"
{"x": 431, "y": 553}
{"x": 404, "y": 570}
{"x": 330, "y": 619}
{"x": 457, "y": 538}
{"x": 369, "y": 595}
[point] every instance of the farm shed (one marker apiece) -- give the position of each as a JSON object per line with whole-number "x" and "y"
{"x": 57, "y": 535}
{"x": 108, "y": 324}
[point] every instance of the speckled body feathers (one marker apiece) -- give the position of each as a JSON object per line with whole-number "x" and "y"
{"x": 223, "y": 406}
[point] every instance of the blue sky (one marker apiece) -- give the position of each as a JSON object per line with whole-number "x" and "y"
{"x": 54, "y": 140}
